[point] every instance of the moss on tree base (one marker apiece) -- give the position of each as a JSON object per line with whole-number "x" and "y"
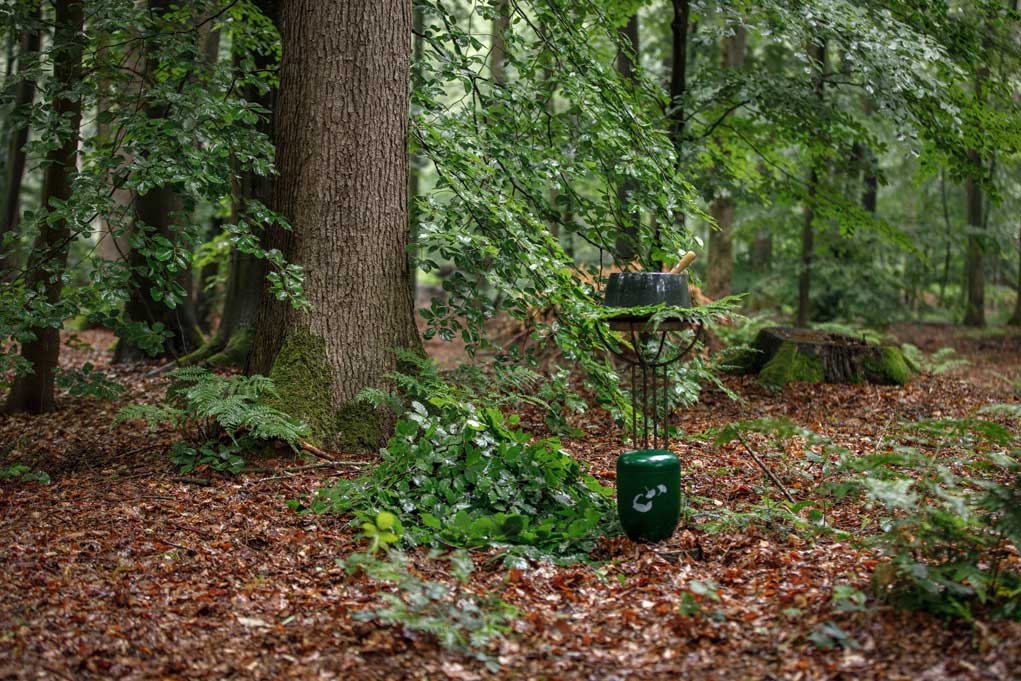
{"x": 785, "y": 355}
{"x": 304, "y": 381}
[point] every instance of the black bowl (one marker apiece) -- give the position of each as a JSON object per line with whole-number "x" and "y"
{"x": 638, "y": 289}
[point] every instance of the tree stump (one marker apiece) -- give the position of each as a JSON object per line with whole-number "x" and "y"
{"x": 782, "y": 355}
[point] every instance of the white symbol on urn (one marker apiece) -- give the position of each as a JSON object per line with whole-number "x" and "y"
{"x": 645, "y": 507}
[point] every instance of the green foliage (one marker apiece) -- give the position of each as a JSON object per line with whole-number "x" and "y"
{"x": 469, "y": 478}
{"x": 382, "y": 532}
{"x": 939, "y": 362}
{"x": 696, "y": 595}
{"x": 89, "y": 382}
{"x": 459, "y": 619}
{"x": 217, "y": 417}
{"x": 949, "y": 524}
{"x": 179, "y": 124}
{"x": 23, "y": 473}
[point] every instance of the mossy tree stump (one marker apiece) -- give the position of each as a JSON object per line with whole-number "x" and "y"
{"x": 782, "y": 355}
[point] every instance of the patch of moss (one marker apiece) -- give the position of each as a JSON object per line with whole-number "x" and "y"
{"x": 303, "y": 379}
{"x": 236, "y": 352}
{"x": 789, "y": 365}
{"x": 357, "y": 425}
{"x": 889, "y": 366}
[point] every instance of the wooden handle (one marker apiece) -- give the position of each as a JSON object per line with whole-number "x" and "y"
{"x": 686, "y": 260}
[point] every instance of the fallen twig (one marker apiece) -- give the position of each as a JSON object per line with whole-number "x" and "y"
{"x": 288, "y": 472}
{"x": 765, "y": 469}
{"x": 312, "y": 449}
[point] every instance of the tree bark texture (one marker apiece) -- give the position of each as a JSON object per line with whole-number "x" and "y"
{"x": 1015, "y": 319}
{"x": 417, "y": 161}
{"x": 816, "y": 53}
{"x": 625, "y": 245}
{"x": 974, "y": 267}
{"x": 34, "y": 392}
{"x": 678, "y": 86}
{"x": 498, "y": 52}
{"x": 720, "y": 266}
{"x": 341, "y": 130}
{"x": 14, "y": 166}
{"x": 720, "y": 263}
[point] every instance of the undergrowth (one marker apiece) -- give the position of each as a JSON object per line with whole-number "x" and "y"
{"x": 217, "y": 419}
{"x": 463, "y": 475}
{"x": 458, "y": 618}
{"x": 942, "y": 506}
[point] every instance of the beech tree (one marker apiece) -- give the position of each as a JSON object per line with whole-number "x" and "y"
{"x": 33, "y": 392}
{"x": 341, "y": 131}
{"x": 17, "y": 136}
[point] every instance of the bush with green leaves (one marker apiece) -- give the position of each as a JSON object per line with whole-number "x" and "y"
{"x": 950, "y": 522}
{"x": 218, "y": 418}
{"x": 469, "y": 478}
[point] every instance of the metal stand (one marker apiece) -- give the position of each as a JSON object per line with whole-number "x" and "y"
{"x": 653, "y": 374}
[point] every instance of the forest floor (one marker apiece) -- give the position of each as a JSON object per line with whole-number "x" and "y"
{"x": 119, "y": 568}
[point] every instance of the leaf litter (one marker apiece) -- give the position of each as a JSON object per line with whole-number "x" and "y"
{"x": 120, "y": 568}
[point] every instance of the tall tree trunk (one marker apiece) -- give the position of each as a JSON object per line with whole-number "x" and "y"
{"x": 14, "y": 164}
{"x": 975, "y": 276}
{"x": 720, "y": 263}
{"x": 498, "y": 51}
{"x": 678, "y": 88}
{"x": 625, "y": 245}
{"x": 1015, "y": 319}
{"x": 974, "y": 264}
{"x": 205, "y": 297}
{"x": 232, "y": 343}
{"x": 816, "y": 53}
{"x": 48, "y": 261}
{"x": 347, "y": 202}
{"x": 155, "y": 211}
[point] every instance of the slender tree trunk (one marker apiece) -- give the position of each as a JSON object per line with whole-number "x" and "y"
{"x": 155, "y": 214}
{"x": 1015, "y": 319}
{"x": 816, "y": 53}
{"x": 807, "y": 251}
{"x": 34, "y": 392}
{"x": 678, "y": 88}
{"x": 498, "y": 53}
{"x": 625, "y": 245}
{"x": 974, "y": 269}
{"x": 975, "y": 284}
{"x": 347, "y": 202}
{"x": 205, "y": 298}
{"x": 720, "y": 262}
{"x": 14, "y": 165}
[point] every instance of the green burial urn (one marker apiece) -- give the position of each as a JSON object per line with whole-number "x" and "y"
{"x": 648, "y": 493}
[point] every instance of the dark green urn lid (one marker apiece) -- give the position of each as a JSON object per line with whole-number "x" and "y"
{"x": 639, "y": 289}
